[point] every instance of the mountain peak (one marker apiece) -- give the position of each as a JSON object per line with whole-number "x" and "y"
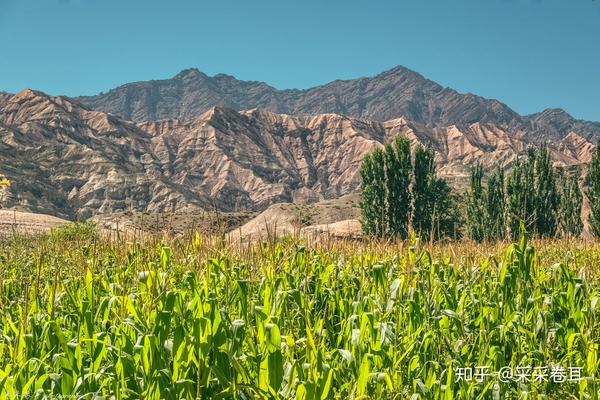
{"x": 28, "y": 93}
{"x": 553, "y": 116}
{"x": 190, "y": 73}
{"x": 400, "y": 70}
{"x": 555, "y": 112}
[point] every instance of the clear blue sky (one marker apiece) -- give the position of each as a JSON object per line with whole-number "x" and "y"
{"x": 530, "y": 54}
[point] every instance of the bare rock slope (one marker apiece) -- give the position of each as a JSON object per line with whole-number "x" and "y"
{"x": 65, "y": 159}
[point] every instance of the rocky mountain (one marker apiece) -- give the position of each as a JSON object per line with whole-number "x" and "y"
{"x": 65, "y": 159}
{"x": 396, "y": 93}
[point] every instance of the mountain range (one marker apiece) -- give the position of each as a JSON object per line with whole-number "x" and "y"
{"x": 396, "y": 93}
{"x": 198, "y": 142}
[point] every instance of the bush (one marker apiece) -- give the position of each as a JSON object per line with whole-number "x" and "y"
{"x": 75, "y": 231}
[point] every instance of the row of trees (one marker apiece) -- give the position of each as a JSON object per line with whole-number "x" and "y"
{"x": 545, "y": 198}
{"x": 592, "y": 185}
{"x": 401, "y": 192}
{"x": 548, "y": 199}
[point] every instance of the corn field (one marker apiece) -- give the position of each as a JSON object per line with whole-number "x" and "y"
{"x": 86, "y": 318}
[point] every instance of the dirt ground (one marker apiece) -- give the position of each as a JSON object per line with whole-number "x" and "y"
{"x": 23, "y": 222}
{"x": 336, "y": 217}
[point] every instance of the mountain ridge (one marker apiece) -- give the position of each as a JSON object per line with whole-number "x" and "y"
{"x": 68, "y": 160}
{"x": 397, "y": 92}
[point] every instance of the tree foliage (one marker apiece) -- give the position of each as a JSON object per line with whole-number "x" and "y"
{"x": 495, "y": 227}
{"x": 476, "y": 205}
{"x": 592, "y": 181}
{"x": 529, "y": 196}
{"x": 571, "y": 201}
{"x": 396, "y": 196}
{"x": 397, "y": 171}
{"x": 546, "y": 197}
{"x": 422, "y": 199}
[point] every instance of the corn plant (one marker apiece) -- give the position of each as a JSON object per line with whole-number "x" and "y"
{"x": 176, "y": 320}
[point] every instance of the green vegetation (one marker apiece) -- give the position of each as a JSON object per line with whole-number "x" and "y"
{"x": 532, "y": 195}
{"x": 74, "y": 232}
{"x": 422, "y": 196}
{"x": 485, "y": 206}
{"x": 200, "y": 318}
{"x": 571, "y": 201}
{"x": 476, "y": 206}
{"x": 398, "y": 168}
{"x": 547, "y": 199}
{"x": 592, "y": 180}
{"x": 397, "y": 197}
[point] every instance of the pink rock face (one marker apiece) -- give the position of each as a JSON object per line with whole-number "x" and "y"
{"x": 68, "y": 160}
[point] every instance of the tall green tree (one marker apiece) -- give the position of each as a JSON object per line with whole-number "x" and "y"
{"x": 476, "y": 207}
{"x": 495, "y": 221}
{"x": 398, "y": 170}
{"x": 445, "y": 215}
{"x": 390, "y": 192}
{"x": 381, "y": 222}
{"x": 485, "y": 205}
{"x": 368, "y": 218}
{"x": 424, "y": 174}
{"x": 592, "y": 182}
{"x": 546, "y": 197}
{"x": 515, "y": 199}
{"x": 373, "y": 210}
{"x": 571, "y": 201}
{"x": 530, "y": 186}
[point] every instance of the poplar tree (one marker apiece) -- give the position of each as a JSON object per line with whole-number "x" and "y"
{"x": 367, "y": 200}
{"x": 390, "y": 193}
{"x": 592, "y": 182}
{"x": 485, "y": 205}
{"x": 522, "y": 203}
{"x": 528, "y": 187}
{"x": 398, "y": 170}
{"x": 571, "y": 201}
{"x": 378, "y": 170}
{"x": 445, "y": 217}
{"x": 495, "y": 221}
{"x": 372, "y": 201}
{"x": 546, "y": 197}
{"x": 514, "y": 199}
{"x": 424, "y": 174}
{"x": 476, "y": 210}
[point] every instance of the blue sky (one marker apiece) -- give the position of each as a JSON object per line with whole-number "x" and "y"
{"x": 530, "y": 54}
